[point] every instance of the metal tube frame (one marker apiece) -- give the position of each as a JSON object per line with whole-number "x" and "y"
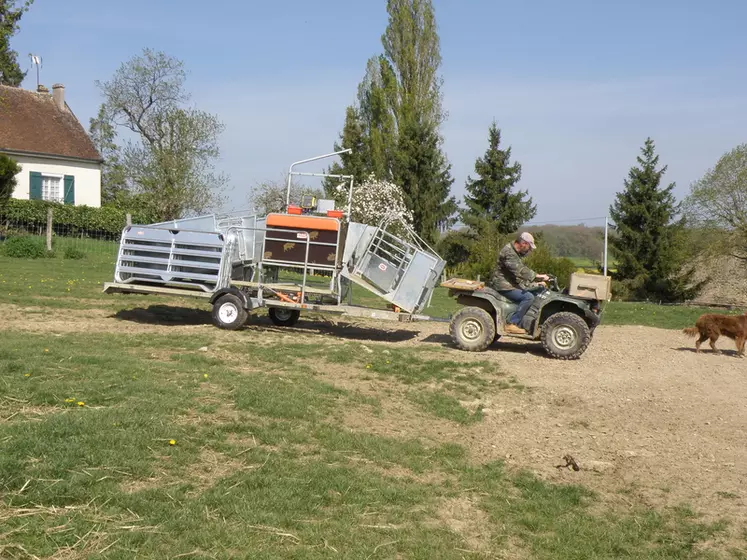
{"x": 291, "y": 173}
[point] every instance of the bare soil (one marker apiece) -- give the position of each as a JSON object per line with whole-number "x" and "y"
{"x": 646, "y": 418}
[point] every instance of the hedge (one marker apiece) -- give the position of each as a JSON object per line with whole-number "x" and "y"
{"x": 104, "y": 222}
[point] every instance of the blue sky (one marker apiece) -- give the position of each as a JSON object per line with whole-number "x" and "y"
{"x": 576, "y": 86}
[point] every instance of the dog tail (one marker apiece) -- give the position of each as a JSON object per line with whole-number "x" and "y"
{"x": 691, "y": 331}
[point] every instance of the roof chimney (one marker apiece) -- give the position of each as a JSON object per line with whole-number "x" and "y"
{"x": 42, "y": 88}
{"x": 58, "y": 93}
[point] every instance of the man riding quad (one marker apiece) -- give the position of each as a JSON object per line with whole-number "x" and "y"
{"x": 514, "y": 280}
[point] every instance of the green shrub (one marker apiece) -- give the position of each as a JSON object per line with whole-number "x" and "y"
{"x": 106, "y": 222}
{"x": 24, "y": 247}
{"x": 541, "y": 261}
{"x": 9, "y": 168}
{"x": 73, "y": 253}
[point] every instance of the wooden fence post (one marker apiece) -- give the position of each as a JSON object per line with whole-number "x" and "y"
{"x": 129, "y": 219}
{"x": 49, "y": 229}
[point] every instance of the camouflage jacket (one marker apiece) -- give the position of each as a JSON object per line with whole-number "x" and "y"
{"x": 510, "y": 272}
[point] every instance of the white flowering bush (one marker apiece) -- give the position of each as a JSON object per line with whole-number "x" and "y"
{"x": 374, "y": 199}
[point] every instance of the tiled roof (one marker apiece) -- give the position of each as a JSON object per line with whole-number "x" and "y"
{"x": 31, "y": 122}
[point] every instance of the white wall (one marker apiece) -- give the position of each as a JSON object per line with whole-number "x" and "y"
{"x": 87, "y": 177}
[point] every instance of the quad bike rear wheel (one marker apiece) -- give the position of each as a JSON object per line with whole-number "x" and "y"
{"x": 565, "y": 336}
{"x": 472, "y": 329}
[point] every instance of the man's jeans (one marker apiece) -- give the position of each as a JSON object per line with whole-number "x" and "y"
{"x": 523, "y": 298}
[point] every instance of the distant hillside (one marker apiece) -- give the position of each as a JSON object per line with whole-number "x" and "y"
{"x": 573, "y": 241}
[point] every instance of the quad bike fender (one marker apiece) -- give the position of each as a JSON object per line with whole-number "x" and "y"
{"x": 483, "y": 300}
{"x": 571, "y": 305}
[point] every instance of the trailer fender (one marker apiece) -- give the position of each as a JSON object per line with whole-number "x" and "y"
{"x": 246, "y": 300}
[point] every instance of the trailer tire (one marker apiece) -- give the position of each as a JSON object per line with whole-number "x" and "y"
{"x": 472, "y": 329}
{"x": 229, "y": 312}
{"x": 283, "y": 317}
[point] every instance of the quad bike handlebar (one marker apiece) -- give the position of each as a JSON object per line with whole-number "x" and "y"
{"x": 553, "y": 282}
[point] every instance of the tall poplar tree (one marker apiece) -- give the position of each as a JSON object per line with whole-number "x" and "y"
{"x": 396, "y": 122}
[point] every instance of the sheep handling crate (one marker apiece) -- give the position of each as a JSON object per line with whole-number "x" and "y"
{"x": 235, "y": 262}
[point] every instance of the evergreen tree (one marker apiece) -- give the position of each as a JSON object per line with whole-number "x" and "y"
{"x": 650, "y": 243}
{"x": 397, "y": 118}
{"x": 10, "y": 15}
{"x": 490, "y": 197}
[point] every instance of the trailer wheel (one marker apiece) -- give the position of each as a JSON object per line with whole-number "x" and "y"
{"x": 229, "y": 313}
{"x": 472, "y": 329}
{"x": 283, "y": 317}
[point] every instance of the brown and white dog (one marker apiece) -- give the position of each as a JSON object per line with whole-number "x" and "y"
{"x": 712, "y": 325}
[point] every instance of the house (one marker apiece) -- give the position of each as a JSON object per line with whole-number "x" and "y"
{"x": 58, "y": 159}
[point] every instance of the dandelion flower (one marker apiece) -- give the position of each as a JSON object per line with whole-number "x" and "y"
{"x": 27, "y": 375}
{"x": 205, "y": 376}
{"x": 81, "y": 403}
{"x": 172, "y": 442}
{"x": 46, "y": 349}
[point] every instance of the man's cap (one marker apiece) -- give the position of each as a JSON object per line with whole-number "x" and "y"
{"x": 529, "y": 238}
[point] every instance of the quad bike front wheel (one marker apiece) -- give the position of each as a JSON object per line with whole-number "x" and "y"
{"x": 565, "y": 336}
{"x": 472, "y": 329}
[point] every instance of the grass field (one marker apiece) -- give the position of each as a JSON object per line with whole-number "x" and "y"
{"x": 239, "y": 445}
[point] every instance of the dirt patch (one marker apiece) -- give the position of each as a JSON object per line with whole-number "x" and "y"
{"x": 462, "y": 516}
{"x": 219, "y": 403}
{"x": 641, "y": 413}
{"x": 25, "y": 412}
{"x": 210, "y": 467}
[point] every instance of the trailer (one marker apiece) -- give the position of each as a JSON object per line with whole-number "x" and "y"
{"x": 235, "y": 262}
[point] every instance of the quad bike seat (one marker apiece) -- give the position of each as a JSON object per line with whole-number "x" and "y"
{"x": 494, "y": 293}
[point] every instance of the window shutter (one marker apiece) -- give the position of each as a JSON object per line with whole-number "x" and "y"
{"x": 69, "y": 189}
{"x": 35, "y": 185}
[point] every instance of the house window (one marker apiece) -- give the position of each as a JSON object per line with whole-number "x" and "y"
{"x": 52, "y": 188}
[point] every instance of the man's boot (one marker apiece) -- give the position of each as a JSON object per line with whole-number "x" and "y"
{"x": 514, "y": 329}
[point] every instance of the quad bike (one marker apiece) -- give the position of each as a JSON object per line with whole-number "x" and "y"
{"x": 563, "y": 323}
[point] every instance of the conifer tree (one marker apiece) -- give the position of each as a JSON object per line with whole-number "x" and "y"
{"x": 649, "y": 247}
{"x": 491, "y": 197}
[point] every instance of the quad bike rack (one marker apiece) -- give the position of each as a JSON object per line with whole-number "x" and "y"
{"x": 235, "y": 261}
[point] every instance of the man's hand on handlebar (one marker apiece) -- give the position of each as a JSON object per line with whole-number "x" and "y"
{"x": 543, "y": 277}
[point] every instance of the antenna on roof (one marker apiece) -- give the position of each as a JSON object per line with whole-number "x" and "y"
{"x": 38, "y": 61}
